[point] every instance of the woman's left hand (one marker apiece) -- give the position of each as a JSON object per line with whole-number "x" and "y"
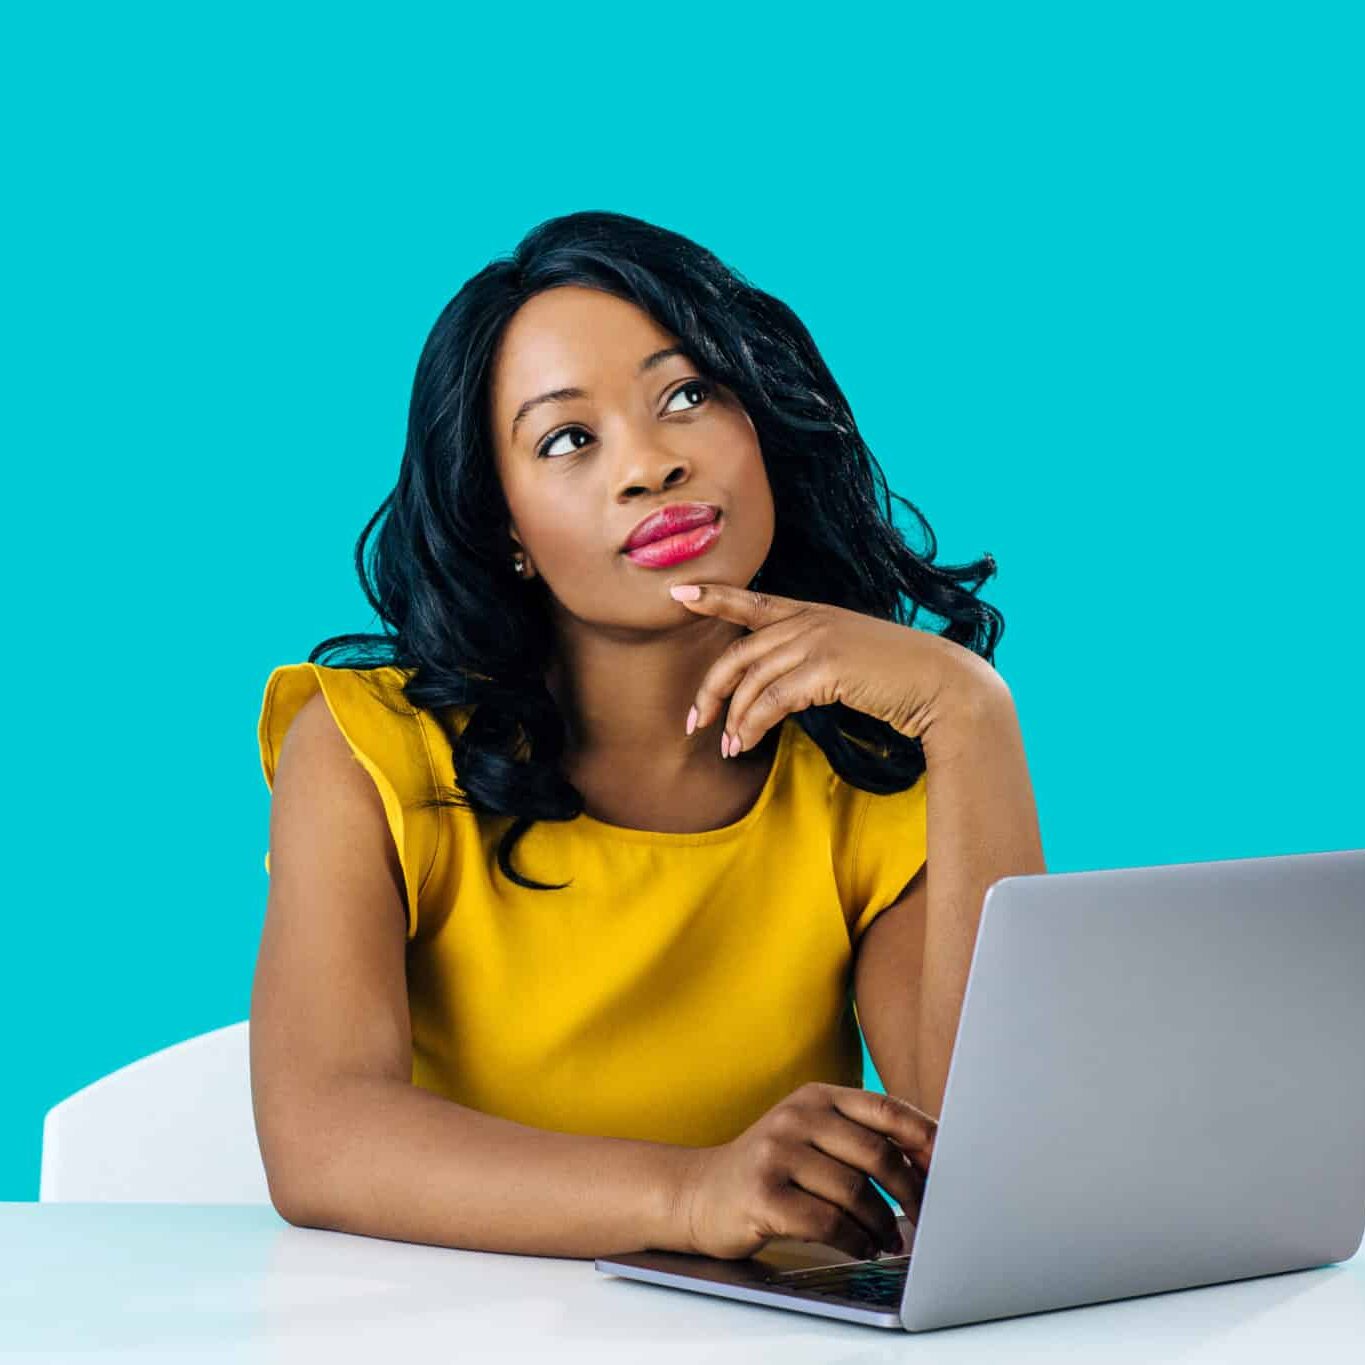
{"x": 802, "y": 654}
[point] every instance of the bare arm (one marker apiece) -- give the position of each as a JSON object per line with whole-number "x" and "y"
{"x": 982, "y": 824}
{"x": 388, "y": 1159}
{"x": 348, "y": 1142}
{"x": 887, "y": 970}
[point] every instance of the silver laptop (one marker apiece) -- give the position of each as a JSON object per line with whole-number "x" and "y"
{"x": 1157, "y": 1084}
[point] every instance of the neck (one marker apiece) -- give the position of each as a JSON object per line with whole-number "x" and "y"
{"x": 627, "y": 699}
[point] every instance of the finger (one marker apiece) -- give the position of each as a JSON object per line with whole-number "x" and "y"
{"x": 910, "y": 1128}
{"x": 761, "y": 707}
{"x": 774, "y": 662}
{"x": 808, "y": 1218}
{"x": 725, "y": 674}
{"x": 920, "y": 1182}
{"x": 850, "y": 1188}
{"x": 749, "y": 608}
{"x": 858, "y": 1147}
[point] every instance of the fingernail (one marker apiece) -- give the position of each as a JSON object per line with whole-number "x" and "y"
{"x": 691, "y": 720}
{"x": 685, "y": 592}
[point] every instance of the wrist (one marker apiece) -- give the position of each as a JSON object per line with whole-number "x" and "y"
{"x": 680, "y": 1167}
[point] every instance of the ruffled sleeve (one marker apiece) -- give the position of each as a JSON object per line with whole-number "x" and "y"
{"x": 386, "y": 734}
{"x": 878, "y": 844}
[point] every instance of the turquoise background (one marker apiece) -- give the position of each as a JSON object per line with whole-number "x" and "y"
{"x": 1089, "y": 275}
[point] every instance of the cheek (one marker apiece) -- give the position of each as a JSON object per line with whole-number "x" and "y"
{"x": 749, "y": 480}
{"x": 568, "y": 540}
{"x": 562, "y": 537}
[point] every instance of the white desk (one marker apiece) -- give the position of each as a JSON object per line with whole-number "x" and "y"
{"x": 100, "y": 1282}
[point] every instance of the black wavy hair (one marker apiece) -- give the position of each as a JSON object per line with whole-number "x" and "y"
{"x": 472, "y": 634}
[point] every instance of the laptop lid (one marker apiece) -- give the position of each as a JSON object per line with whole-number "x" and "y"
{"x": 1156, "y": 1084}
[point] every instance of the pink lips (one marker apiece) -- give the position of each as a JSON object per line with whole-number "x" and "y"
{"x": 669, "y": 520}
{"x": 659, "y": 554}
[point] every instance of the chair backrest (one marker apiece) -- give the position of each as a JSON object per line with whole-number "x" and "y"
{"x": 175, "y": 1126}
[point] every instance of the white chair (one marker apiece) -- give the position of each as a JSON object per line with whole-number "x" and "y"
{"x": 174, "y": 1127}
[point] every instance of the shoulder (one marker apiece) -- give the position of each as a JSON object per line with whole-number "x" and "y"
{"x": 312, "y": 735}
{"x": 351, "y": 728}
{"x": 365, "y": 706}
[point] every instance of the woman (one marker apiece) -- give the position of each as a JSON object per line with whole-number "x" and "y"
{"x": 575, "y": 873}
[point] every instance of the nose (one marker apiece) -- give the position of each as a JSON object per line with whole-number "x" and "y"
{"x": 670, "y": 470}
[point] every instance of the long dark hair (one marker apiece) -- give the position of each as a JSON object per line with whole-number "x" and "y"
{"x": 473, "y": 634}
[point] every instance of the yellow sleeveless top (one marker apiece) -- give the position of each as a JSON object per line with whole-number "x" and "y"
{"x": 679, "y": 987}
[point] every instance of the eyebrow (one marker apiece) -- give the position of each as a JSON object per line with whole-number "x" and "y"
{"x": 563, "y": 395}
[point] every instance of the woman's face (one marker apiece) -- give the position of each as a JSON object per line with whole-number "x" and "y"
{"x": 578, "y": 473}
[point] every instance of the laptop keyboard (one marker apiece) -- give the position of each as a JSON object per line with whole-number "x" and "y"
{"x": 879, "y": 1283}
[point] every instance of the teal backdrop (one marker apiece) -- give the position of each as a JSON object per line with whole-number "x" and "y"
{"x": 1089, "y": 275}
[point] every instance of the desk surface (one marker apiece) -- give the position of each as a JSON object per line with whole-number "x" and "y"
{"x": 97, "y": 1282}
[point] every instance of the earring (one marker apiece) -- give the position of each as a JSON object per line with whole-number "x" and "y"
{"x": 519, "y": 562}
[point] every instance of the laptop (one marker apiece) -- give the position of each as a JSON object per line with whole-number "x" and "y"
{"x": 1156, "y": 1085}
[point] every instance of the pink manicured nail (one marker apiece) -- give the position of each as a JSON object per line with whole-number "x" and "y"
{"x": 691, "y": 720}
{"x": 685, "y": 592}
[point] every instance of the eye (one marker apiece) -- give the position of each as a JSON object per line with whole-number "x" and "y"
{"x": 543, "y": 450}
{"x": 691, "y": 384}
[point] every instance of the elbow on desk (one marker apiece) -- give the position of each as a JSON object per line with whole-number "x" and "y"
{"x": 293, "y": 1174}
{"x": 291, "y": 1199}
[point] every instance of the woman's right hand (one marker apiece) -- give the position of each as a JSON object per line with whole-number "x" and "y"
{"x": 801, "y": 1171}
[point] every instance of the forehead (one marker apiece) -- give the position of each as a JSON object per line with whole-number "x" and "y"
{"x": 571, "y": 335}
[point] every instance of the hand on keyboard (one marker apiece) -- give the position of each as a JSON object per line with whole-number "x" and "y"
{"x": 804, "y": 1170}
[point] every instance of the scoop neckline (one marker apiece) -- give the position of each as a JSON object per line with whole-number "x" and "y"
{"x": 628, "y": 834}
